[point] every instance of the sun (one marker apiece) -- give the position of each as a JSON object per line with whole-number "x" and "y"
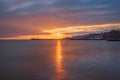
{"x": 58, "y": 34}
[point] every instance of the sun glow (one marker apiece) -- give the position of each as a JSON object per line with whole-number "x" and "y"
{"x": 60, "y": 71}
{"x": 57, "y": 35}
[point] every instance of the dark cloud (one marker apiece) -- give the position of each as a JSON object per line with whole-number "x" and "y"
{"x": 28, "y": 7}
{"x": 2, "y": 7}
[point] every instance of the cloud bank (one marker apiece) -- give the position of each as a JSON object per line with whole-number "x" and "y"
{"x": 25, "y": 17}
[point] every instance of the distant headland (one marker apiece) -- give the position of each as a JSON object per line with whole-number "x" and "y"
{"x": 113, "y": 35}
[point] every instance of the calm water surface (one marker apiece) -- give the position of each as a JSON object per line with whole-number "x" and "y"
{"x": 59, "y": 60}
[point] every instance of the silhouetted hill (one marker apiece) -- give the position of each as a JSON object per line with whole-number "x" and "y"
{"x": 113, "y": 35}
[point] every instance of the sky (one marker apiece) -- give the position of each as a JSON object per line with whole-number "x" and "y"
{"x": 25, "y": 19}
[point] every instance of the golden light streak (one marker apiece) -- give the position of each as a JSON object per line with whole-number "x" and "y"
{"x": 60, "y": 72}
{"x": 59, "y": 33}
{"x": 89, "y": 28}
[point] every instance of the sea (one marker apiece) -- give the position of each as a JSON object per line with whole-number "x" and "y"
{"x": 59, "y": 60}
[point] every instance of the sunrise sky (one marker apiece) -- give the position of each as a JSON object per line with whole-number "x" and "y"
{"x": 25, "y": 19}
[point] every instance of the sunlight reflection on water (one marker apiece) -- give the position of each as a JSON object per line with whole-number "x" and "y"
{"x": 60, "y": 72}
{"x": 59, "y": 60}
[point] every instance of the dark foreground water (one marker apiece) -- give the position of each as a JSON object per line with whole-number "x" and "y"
{"x": 59, "y": 60}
